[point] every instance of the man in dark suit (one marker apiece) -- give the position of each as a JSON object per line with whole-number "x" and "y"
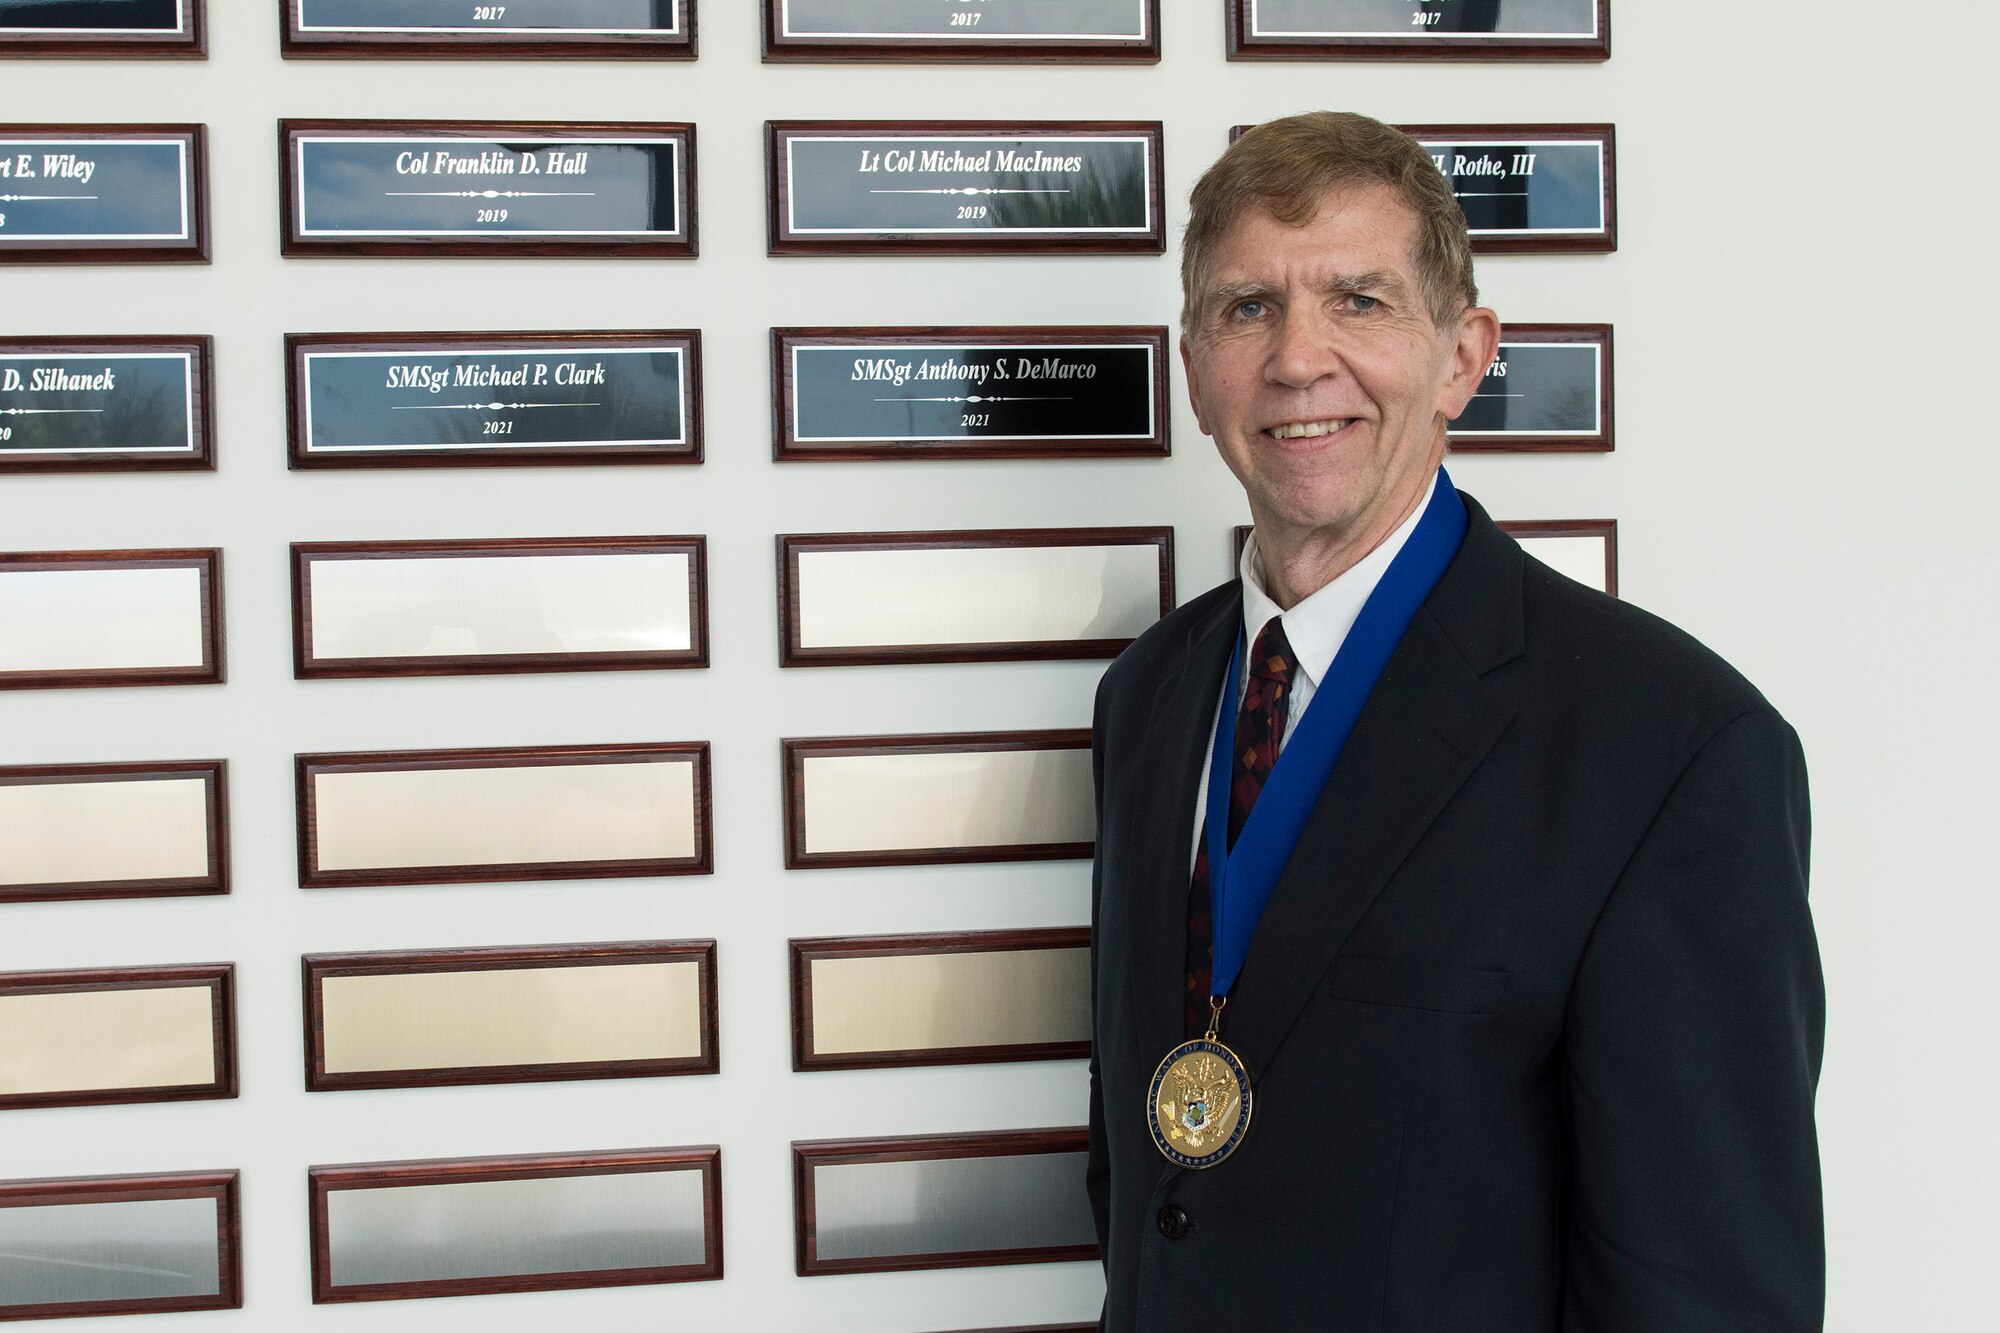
{"x": 1496, "y": 1004}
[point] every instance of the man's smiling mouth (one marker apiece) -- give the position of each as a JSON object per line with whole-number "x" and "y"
{"x": 1306, "y": 430}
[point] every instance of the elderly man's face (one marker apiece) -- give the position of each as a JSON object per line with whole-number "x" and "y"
{"x": 1319, "y": 372}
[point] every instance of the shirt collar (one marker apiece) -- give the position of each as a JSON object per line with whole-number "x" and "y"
{"x": 1319, "y": 624}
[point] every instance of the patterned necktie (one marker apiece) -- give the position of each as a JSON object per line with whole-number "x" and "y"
{"x": 1260, "y": 725}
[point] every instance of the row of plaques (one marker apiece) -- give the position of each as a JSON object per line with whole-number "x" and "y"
{"x": 923, "y": 30}
{"x": 110, "y": 403}
{"x": 528, "y": 604}
{"x": 144, "y": 1244}
{"x": 95, "y": 194}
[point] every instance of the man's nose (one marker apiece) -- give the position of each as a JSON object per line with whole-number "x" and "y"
{"x": 1307, "y": 349}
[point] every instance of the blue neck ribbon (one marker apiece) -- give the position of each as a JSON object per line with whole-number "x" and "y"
{"x": 1241, "y": 879}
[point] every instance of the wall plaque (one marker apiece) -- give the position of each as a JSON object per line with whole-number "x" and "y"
{"x": 79, "y": 618}
{"x": 454, "y": 608}
{"x": 1548, "y": 389}
{"x": 430, "y": 29}
{"x": 381, "y": 187}
{"x": 953, "y": 1201}
{"x": 973, "y": 997}
{"x": 1008, "y": 595}
{"x": 494, "y": 399}
{"x": 106, "y": 404}
{"x": 1529, "y": 189}
{"x": 104, "y": 1245}
{"x": 122, "y": 1034}
{"x": 964, "y": 187}
{"x": 931, "y": 30}
{"x": 103, "y": 194}
{"x": 148, "y": 830}
{"x": 469, "y": 816}
{"x": 1585, "y": 549}
{"x": 931, "y": 800}
{"x": 387, "y": 1231}
{"x": 1420, "y": 29}
{"x": 970, "y": 393}
{"x": 103, "y": 29}
{"x": 421, "y": 1018}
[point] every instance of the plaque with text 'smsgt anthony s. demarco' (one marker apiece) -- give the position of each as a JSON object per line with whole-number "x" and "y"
{"x": 102, "y": 29}
{"x": 103, "y": 194}
{"x": 1419, "y": 29}
{"x": 380, "y": 187}
{"x": 428, "y": 29}
{"x": 930, "y": 30}
{"x": 1548, "y": 390}
{"x": 970, "y": 393}
{"x": 107, "y": 404}
{"x": 964, "y": 187}
{"x": 458, "y": 399}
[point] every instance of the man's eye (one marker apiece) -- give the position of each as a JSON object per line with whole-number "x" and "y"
{"x": 1362, "y": 303}
{"x": 1249, "y": 309}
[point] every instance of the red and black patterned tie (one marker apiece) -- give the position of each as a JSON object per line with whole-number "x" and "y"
{"x": 1260, "y": 725}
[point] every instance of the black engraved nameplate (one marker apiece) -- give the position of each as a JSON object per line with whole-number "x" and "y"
{"x": 102, "y": 29}
{"x": 103, "y": 194}
{"x": 1548, "y": 389}
{"x": 964, "y": 187}
{"x": 428, "y": 29}
{"x": 105, "y": 404}
{"x": 376, "y": 187}
{"x": 1419, "y": 29}
{"x": 970, "y": 393}
{"x": 1529, "y": 189}
{"x": 470, "y": 399}
{"x": 933, "y": 30}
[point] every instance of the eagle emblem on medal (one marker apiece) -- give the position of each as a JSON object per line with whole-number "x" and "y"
{"x": 1200, "y": 1103}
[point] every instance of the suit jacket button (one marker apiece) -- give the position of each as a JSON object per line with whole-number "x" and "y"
{"x": 1173, "y": 1221}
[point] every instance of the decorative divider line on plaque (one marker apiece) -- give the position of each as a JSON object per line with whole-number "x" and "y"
{"x": 107, "y": 404}
{"x": 385, "y": 1231}
{"x": 1419, "y": 29}
{"x": 944, "y": 30}
{"x": 124, "y": 830}
{"x": 104, "y": 1245}
{"x": 85, "y": 618}
{"x": 458, "y": 29}
{"x": 134, "y": 29}
{"x": 99, "y": 1036}
{"x": 103, "y": 194}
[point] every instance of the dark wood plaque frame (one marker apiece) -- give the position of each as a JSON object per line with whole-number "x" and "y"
{"x": 308, "y": 766}
{"x": 318, "y": 967}
{"x": 499, "y": 244}
{"x": 193, "y": 250}
{"x": 500, "y": 44}
{"x": 305, "y": 667}
{"x": 785, "y": 447}
{"x": 1604, "y": 135}
{"x": 1598, "y": 335}
{"x": 189, "y": 42}
{"x": 944, "y": 50}
{"x": 807, "y": 1156}
{"x": 214, "y": 774}
{"x": 297, "y": 345}
{"x": 1607, "y": 528}
{"x": 217, "y": 978}
{"x": 1389, "y": 46}
{"x": 206, "y": 559}
{"x": 201, "y": 388}
{"x": 797, "y": 751}
{"x": 323, "y": 1180}
{"x": 805, "y": 952}
{"x": 791, "y": 546}
{"x": 778, "y": 190}
{"x": 222, "y": 1186}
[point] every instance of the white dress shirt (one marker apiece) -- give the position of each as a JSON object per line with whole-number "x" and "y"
{"x": 1316, "y": 628}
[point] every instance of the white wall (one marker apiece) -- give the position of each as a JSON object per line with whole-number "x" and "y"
{"x": 1796, "y": 482}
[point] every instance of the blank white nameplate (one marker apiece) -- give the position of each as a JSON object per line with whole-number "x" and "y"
{"x": 129, "y": 1034}
{"x": 104, "y": 1245}
{"x": 73, "y": 618}
{"x": 1584, "y": 549}
{"x": 112, "y": 830}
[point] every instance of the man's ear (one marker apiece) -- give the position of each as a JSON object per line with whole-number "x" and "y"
{"x": 1478, "y": 343}
{"x": 1193, "y": 385}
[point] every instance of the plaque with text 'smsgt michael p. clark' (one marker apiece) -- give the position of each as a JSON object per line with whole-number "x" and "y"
{"x": 378, "y": 187}
{"x": 103, "y": 29}
{"x": 964, "y": 187}
{"x": 1419, "y": 29}
{"x": 470, "y": 399}
{"x": 105, "y": 404}
{"x": 517, "y": 29}
{"x": 103, "y": 194}
{"x": 932, "y": 30}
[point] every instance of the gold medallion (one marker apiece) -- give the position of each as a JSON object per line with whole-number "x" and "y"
{"x": 1200, "y": 1103}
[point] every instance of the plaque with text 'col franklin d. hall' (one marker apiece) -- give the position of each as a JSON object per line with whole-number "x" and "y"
{"x": 103, "y": 29}
{"x": 989, "y": 30}
{"x": 494, "y": 188}
{"x": 103, "y": 194}
{"x": 964, "y": 187}
{"x": 1419, "y": 29}
{"x": 518, "y": 29}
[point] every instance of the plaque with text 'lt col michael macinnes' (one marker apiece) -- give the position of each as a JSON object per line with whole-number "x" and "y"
{"x": 103, "y": 29}
{"x": 964, "y": 187}
{"x": 518, "y": 29}
{"x": 376, "y": 187}
{"x": 103, "y": 194}
{"x": 105, "y": 404}
{"x": 990, "y": 30}
{"x": 1419, "y": 29}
